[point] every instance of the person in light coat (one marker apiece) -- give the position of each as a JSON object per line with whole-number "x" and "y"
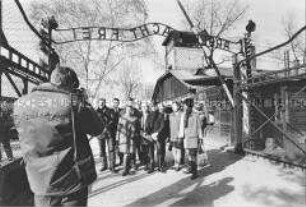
{"x": 190, "y": 129}
{"x": 175, "y": 140}
{"x": 127, "y": 130}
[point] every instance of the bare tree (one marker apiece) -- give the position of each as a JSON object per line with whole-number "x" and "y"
{"x": 95, "y": 61}
{"x": 130, "y": 79}
{"x": 146, "y": 92}
{"x": 295, "y": 52}
{"x": 297, "y": 46}
{"x": 218, "y": 17}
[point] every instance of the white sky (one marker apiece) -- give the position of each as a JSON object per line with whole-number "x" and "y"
{"x": 267, "y": 14}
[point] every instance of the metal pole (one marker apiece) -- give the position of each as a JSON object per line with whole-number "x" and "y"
{"x": 50, "y": 44}
{"x": 1, "y": 31}
{"x": 236, "y": 140}
{"x": 209, "y": 60}
{"x": 0, "y": 14}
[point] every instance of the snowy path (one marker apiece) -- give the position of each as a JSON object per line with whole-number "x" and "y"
{"x": 230, "y": 181}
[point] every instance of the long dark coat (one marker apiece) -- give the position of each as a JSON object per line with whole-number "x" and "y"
{"x": 155, "y": 124}
{"x": 105, "y": 114}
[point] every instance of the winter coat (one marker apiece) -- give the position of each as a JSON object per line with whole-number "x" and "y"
{"x": 114, "y": 120}
{"x": 106, "y": 118}
{"x": 165, "y": 132}
{"x": 203, "y": 119}
{"x": 145, "y": 138}
{"x": 175, "y": 120}
{"x": 127, "y": 133}
{"x": 155, "y": 124}
{"x": 43, "y": 121}
{"x": 193, "y": 132}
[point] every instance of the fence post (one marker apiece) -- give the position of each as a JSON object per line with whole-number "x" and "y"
{"x": 236, "y": 139}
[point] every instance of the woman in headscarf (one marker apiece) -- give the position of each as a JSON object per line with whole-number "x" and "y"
{"x": 127, "y": 129}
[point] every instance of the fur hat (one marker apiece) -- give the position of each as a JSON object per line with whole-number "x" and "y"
{"x": 189, "y": 102}
{"x": 65, "y": 77}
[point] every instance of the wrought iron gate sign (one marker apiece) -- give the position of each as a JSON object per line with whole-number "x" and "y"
{"x": 111, "y": 34}
{"x": 62, "y": 36}
{"x": 220, "y": 43}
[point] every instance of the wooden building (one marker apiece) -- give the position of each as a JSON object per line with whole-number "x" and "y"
{"x": 179, "y": 84}
{"x": 187, "y": 76}
{"x": 280, "y": 95}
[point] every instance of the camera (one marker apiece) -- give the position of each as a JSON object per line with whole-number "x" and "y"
{"x": 79, "y": 97}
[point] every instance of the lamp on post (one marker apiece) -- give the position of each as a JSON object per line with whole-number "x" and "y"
{"x": 248, "y": 48}
{"x": 241, "y": 110}
{"x": 48, "y": 25}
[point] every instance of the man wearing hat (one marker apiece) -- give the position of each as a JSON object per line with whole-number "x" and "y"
{"x": 53, "y": 121}
{"x": 107, "y": 140}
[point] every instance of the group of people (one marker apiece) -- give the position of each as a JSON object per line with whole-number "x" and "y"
{"x": 55, "y": 119}
{"x": 144, "y": 129}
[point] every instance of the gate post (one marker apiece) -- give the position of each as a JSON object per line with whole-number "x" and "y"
{"x": 0, "y": 83}
{"x": 25, "y": 86}
{"x": 236, "y": 139}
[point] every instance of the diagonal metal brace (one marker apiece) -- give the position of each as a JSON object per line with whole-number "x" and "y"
{"x": 273, "y": 124}
{"x": 209, "y": 60}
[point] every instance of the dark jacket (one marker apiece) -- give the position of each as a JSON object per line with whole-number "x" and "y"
{"x": 43, "y": 121}
{"x": 165, "y": 133}
{"x": 106, "y": 118}
{"x": 114, "y": 120}
{"x": 155, "y": 124}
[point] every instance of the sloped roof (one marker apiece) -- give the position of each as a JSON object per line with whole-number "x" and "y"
{"x": 182, "y": 38}
{"x": 201, "y": 74}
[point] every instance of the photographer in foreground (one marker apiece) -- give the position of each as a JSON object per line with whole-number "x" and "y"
{"x": 52, "y": 123}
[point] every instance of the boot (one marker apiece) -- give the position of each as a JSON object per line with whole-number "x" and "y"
{"x": 194, "y": 170}
{"x": 151, "y": 167}
{"x": 188, "y": 170}
{"x": 112, "y": 162}
{"x": 134, "y": 165}
{"x": 120, "y": 155}
{"x": 104, "y": 164}
{"x": 146, "y": 167}
{"x": 126, "y": 165}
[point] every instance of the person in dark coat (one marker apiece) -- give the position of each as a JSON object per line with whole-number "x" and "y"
{"x": 106, "y": 140}
{"x": 115, "y": 113}
{"x": 6, "y": 124}
{"x": 163, "y": 138}
{"x": 138, "y": 141}
{"x": 155, "y": 126}
{"x": 43, "y": 119}
{"x": 126, "y": 134}
{"x": 146, "y": 140}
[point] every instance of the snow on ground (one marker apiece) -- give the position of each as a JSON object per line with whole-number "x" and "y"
{"x": 231, "y": 180}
